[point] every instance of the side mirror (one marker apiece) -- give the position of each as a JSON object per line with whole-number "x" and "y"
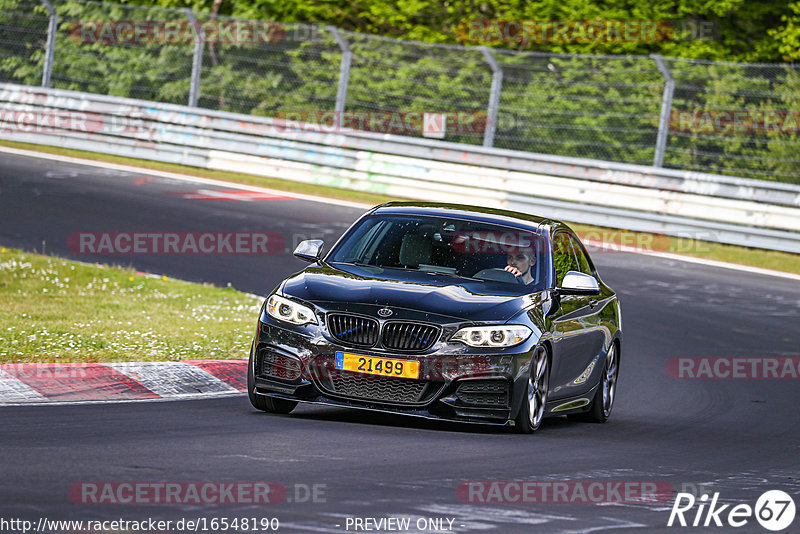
{"x": 309, "y": 250}
{"x": 576, "y": 283}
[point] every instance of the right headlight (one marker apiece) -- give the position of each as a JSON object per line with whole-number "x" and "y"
{"x": 492, "y": 336}
{"x": 289, "y": 311}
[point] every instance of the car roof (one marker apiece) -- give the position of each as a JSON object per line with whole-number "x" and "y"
{"x": 464, "y": 211}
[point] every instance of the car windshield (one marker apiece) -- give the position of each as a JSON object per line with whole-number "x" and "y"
{"x": 451, "y": 247}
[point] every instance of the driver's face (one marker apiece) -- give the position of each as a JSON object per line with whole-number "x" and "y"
{"x": 522, "y": 262}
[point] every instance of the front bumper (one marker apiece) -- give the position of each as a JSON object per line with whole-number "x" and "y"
{"x": 455, "y": 383}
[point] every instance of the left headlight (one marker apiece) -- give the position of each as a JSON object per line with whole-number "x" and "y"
{"x": 492, "y": 336}
{"x": 289, "y": 311}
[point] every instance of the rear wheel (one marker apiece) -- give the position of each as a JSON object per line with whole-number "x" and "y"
{"x": 603, "y": 402}
{"x": 261, "y": 402}
{"x": 531, "y": 413}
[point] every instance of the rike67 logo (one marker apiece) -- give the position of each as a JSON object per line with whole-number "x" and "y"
{"x": 774, "y": 510}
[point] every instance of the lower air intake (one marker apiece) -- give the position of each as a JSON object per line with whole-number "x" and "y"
{"x": 393, "y": 390}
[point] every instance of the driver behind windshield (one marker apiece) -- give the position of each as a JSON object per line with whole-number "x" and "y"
{"x": 519, "y": 262}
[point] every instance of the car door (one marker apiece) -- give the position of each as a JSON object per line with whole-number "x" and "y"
{"x": 577, "y": 337}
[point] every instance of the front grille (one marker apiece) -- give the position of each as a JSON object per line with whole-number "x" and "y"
{"x": 408, "y": 336}
{"x": 353, "y": 329}
{"x": 379, "y": 388}
{"x": 484, "y": 392}
{"x": 395, "y": 335}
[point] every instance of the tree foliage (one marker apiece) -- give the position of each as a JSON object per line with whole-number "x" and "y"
{"x": 585, "y": 104}
{"x": 765, "y": 31}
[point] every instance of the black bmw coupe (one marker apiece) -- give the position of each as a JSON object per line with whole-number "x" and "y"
{"x": 447, "y": 312}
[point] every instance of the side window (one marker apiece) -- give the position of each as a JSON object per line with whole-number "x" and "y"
{"x": 583, "y": 262}
{"x": 563, "y": 256}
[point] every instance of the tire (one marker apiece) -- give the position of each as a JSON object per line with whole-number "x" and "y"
{"x": 603, "y": 402}
{"x": 262, "y": 402}
{"x": 534, "y": 402}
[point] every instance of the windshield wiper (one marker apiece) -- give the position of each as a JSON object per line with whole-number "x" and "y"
{"x": 453, "y": 275}
{"x": 439, "y": 273}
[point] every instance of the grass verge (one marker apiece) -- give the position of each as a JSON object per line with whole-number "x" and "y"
{"x": 779, "y": 261}
{"x": 55, "y": 310}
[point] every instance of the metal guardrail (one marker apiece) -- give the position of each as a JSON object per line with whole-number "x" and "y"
{"x": 739, "y": 119}
{"x": 710, "y": 207}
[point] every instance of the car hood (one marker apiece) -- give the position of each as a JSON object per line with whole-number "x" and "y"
{"x": 450, "y": 296}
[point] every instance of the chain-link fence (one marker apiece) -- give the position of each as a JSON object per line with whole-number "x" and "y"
{"x": 23, "y": 41}
{"x": 740, "y": 119}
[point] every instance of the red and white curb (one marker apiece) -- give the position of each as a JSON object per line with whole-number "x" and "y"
{"x": 52, "y": 383}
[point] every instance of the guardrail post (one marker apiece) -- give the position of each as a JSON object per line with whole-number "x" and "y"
{"x": 494, "y": 97}
{"x": 666, "y": 109}
{"x": 197, "y": 57}
{"x": 51, "y": 43}
{"x": 344, "y": 73}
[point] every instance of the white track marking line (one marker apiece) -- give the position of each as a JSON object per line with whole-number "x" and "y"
{"x": 182, "y": 177}
{"x": 311, "y": 198}
{"x": 240, "y": 196}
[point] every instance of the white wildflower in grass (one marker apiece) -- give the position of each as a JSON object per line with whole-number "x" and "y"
{"x": 55, "y": 310}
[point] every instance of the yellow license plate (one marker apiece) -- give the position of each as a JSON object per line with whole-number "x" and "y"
{"x": 376, "y": 366}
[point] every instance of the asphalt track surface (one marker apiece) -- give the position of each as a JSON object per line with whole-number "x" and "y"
{"x": 736, "y": 437}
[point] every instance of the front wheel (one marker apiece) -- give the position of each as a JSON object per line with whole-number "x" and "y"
{"x": 531, "y": 413}
{"x": 603, "y": 402}
{"x": 261, "y": 402}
